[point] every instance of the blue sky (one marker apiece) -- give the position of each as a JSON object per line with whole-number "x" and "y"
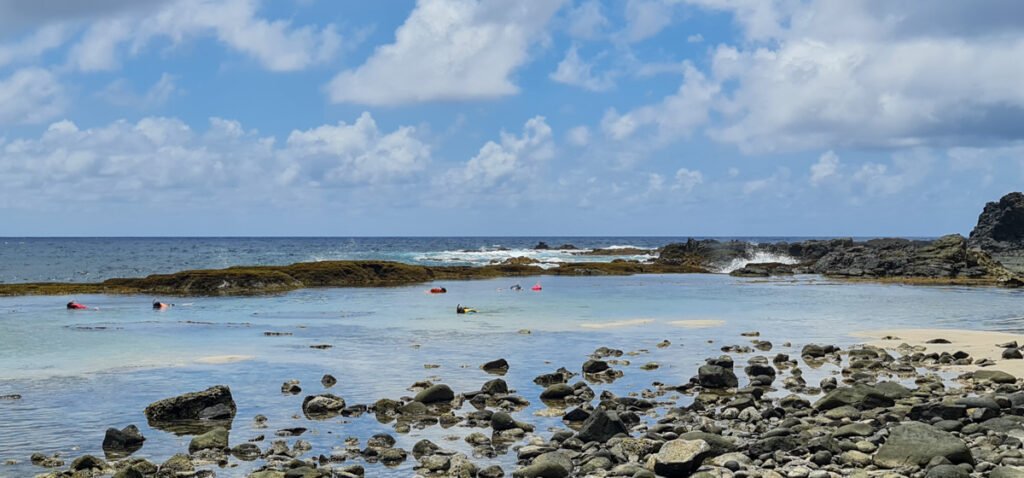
{"x": 507, "y": 117}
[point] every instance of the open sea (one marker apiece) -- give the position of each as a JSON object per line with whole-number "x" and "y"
{"x": 80, "y": 372}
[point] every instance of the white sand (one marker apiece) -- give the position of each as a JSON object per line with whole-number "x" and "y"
{"x": 222, "y": 359}
{"x": 617, "y": 324}
{"x": 697, "y": 323}
{"x": 980, "y": 344}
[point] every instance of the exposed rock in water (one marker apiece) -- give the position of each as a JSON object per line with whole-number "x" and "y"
{"x": 123, "y": 442}
{"x": 322, "y": 406}
{"x": 328, "y": 381}
{"x": 1000, "y": 231}
{"x": 601, "y": 426}
{"x": 435, "y": 394}
{"x": 192, "y": 412}
{"x": 764, "y": 269}
{"x": 497, "y": 367}
{"x": 216, "y": 439}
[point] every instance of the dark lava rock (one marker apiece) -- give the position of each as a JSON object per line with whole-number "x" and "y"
{"x": 322, "y": 406}
{"x": 214, "y": 403}
{"x": 557, "y": 391}
{"x": 1000, "y": 231}
{"x": 595, "y": 366}
{"x": 817, "y": 351}
{"x": 497, "y": 367}
{"x": 123, "y": 442}
{"x": 600, "y": 426}
{"x": 328, "y": 381}
{"x": 714, "y": 376}
{"x": 496, "y": 386}
{"x": 87, "y": 462}
{"x": 916, "y": 444}
{"x": 860, "y": 395}
{"x": 764, "y": 269}
{"x": 435, "y": 394}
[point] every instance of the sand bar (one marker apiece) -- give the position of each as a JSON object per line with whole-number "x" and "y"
{"x": 697, "y": 323}
{"x": 617, "y": 324}
{"x": 980, "y": 344}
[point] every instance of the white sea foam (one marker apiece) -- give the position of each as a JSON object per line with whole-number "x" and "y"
{"x": 756, "y": 257}
{"x": 546, "y": 258}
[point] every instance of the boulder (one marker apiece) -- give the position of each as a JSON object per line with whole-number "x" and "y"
{"x": 679, "y": 458}
{"x": 123, "y": 442}
{"x": 216, "y": 439}
{"x": 555, "y": 464}
{"x": 322, "y": 406}
{"x": 595, "y": 366}
{"x": 557, "y": 391}
{"x": 715, "y": 376}
{"x": 601, "y": 426}
{"x": 497, "y": 367}
{"x": 212, "y": 404}
{"x": 1006, "y": 472}
{"x": 916, "y": 444}
{"x": 435, "y": 394}
{"x": 861, "y": 396}
{"x": 328, "y": 380}
{"x": 1000, "y": 231}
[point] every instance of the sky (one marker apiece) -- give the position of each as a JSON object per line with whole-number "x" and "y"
{"x": 507, "y": 117}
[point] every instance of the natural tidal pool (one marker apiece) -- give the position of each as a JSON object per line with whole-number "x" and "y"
{"x": 80, "y": 372}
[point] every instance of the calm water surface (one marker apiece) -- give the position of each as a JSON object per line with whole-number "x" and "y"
{"x": 83, "y": 371}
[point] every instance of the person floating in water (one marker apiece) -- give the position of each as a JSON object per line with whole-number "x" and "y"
{"x": 438, "y": 290}
{"x": 459, "y": 309}
{"x": 76, "y": 306}
{"x": 157, "y": 305}
{"x": 516, "y": 288}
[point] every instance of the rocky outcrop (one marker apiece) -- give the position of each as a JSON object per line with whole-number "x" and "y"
{"x": 195, "y": 412}
{"x": 946, "y": 257}
{"x": 765, "y": 269}
{"x": 1000, "y": 232}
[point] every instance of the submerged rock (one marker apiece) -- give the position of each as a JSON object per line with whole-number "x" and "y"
{"x": 216, "y": 439}
{"x": 123, "y": 442}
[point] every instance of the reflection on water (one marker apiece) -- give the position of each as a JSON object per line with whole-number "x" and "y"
{"x": 80, "y": 372}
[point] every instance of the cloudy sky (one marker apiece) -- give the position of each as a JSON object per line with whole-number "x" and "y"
{"x": 507, "y": 117}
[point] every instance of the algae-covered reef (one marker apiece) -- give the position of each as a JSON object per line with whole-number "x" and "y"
{"x": 276, "y": 279}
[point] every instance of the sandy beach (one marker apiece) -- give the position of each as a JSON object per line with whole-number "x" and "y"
{"x": 979, "y": 344}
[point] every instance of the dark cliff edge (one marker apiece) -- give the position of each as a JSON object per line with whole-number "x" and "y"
{"x": 993, "y": 255}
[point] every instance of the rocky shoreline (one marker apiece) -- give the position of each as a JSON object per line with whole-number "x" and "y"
{"x": 893, "y": 411}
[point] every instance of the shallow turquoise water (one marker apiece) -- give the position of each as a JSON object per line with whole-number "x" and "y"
{"x": 80, "y": 372}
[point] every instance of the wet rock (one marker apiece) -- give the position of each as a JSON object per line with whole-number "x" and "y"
{"x": 679, "y": 458}
{"x": 322, "y": 406}
{"x": 495, "y": 386}
{"x": 554, "y": 464}
{"x": 177, "y": 465}
{"x": 714, "y": 376}
{"x": 246, "y": 451}
{"x": 497, "y": 367}
{"x": 328, "y": 380}
{"x": 557, "y": 391}
{"x": 493, "y": 471}
{"x": 212, "y": 404}
{"x": 216, "y": 439}
{"x": 435, "y": 394}
{"x": 291, "y": 387}
{"x": 916, "y": 444}
{"x": 123, "y": 442}
{"x": 601, "y": 426}
{"x": 595, "y": 366}
{"x": 817, "y": 351}
{"x": 87, "y": 462}
{"x": 39, "y": 459}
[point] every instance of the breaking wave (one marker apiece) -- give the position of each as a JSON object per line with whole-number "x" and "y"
{"x": 756, "y": 257}
{"x": 546, "y": 258}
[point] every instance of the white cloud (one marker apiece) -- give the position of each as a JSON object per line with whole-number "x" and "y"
{"x": 30, "y": 95}
{"x": 357, "y": 152}
{"x": 906, "y": 170}
{"x": 277, "y": 45}
{"x": 587, "y": 21}
{"x": 695, "y": 38}
{"x": 513, "y": 158}
{"x": 157, "y": 158}
{"x": 579, "y": 136}
{"x": 675, "y": 117}
{"x": 687, "y": 179}
{"x": 574, "y": 71}
{"x": 32, "y": 46}
{"x": 826, "y": 167}
{"x": 449, "y": 50}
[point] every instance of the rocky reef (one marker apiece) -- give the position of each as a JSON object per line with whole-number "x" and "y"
{"x": 1000, "y": 232}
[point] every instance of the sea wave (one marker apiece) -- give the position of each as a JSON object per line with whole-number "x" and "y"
{"x": 756, "y": 257}
{"x": 546, "y": 258}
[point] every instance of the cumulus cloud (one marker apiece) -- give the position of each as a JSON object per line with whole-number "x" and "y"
{"x": 579, "y": 136}
{"x": 449, "y": 50}
{"x": 574, "y": 71}
{"x": 30, "y": 95}
{"x": 513, "y": 158}
{"x": 119, "y": 93}
{"x": 674, "y": 117}
{"x": 156, "y": 157}
{"x": 33, "y": 45}
{"x": 357, "y": 152}
{"x": 826, "y": 167}
{"x": 276, "y": 44}
{"x": 645, "y": 18}
{"x": 874, "y": 74}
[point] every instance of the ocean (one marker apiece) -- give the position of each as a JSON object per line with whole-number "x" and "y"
{"x": 80, "y": 372}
